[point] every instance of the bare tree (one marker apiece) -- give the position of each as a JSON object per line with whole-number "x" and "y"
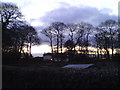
{"x": 71, "y": 30}
{"x": 103, "y": 41}
{"x": 50, "y": 34}
{"x": 58, "y": 28}
{"x": 32, "y": 37}
{"x": 79, "y": 35}
{"x": 9, "y": 14}
{"x": 55, "y": 32}
{"x": 100, "y": 43}
{"x": 110, "y": 26}
{"x": 16, "y": 31}
{"x": 88, "y": 28}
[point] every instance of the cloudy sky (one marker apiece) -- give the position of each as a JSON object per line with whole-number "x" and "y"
{"x": 40, "y": 13}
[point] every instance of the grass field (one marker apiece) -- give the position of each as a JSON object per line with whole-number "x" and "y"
{"x": 103, "y": 74}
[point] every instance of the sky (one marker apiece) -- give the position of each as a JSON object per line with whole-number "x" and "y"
{"x": 40, "y": 13}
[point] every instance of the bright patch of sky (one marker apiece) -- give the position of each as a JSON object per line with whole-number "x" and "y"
{"x": 41, "y": 49}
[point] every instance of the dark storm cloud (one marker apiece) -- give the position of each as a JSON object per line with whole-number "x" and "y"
{"x": 72, "y": 14}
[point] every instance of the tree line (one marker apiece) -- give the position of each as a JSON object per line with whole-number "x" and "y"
{"x": 105, "y": 36}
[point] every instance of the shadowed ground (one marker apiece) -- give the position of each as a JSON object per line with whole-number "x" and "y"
{"x": 103, "y": 74}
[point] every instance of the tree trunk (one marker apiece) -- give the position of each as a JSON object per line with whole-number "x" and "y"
{"x": 112, "y": 51}
{"x": 61, "y": 42}
{"x": 51, "y": 45}
{"x": 101, "y": 53}
{"x": 61, "y": 46}
{"x": 21, "y": 47}
{"x": 27, "y": 48}
{"x": 108, "y": 56}
{"x": 98, "y": 53}
{"x": 87, "y": 44}
{"x": 30, "y": 48}
{"x": 57, "y": 43}
{"x": 112, "y": 46}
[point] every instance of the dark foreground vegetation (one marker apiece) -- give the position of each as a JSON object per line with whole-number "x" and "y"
{"x": 41, "y": 74}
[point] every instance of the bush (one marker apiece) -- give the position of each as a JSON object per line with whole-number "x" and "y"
{"x": 116, "y": 57}
{"x": 10, "y": 57}
{"x": 79, "y": 58}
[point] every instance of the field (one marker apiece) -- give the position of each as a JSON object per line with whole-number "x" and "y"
{"x": 103, "y": 74}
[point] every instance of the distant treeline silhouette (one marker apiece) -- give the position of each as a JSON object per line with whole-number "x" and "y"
{"x": 106, "y": 36}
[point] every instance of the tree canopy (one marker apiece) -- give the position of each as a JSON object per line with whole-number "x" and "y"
{"x": 16, "y": 32}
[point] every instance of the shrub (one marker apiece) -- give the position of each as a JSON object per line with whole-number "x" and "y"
{"x": 10, "y": 57}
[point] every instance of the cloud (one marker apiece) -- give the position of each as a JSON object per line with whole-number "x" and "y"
{"x": 72, "y": 14}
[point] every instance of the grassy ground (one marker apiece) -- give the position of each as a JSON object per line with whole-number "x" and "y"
{"x": 103, "y": 74}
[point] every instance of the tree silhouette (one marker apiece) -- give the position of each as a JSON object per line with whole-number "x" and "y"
{"x": 49, "y": 33}
{"x": 10, "y": 14}
{"x": 58, "y": 28}
{"x": 16, "y": 32}
{"x": 55, "y": 32}
{"x": 110, "y": 28}
{"x": 69, "y": 44}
